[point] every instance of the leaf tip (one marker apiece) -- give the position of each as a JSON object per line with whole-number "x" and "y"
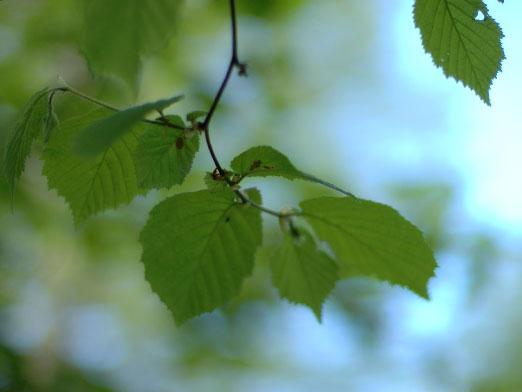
{"x": 424, "y": 293}
{"x": 318, "y": 313}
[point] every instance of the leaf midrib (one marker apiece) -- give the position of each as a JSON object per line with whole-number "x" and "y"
{"x": 204, "y": 249}
{"x": 463, "y": 44}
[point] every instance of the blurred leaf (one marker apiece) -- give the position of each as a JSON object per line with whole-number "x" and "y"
{"x": 413, "y": 201}
{"x": 25, "y": 131}
{"x": 96, "y": 137}
{"x": 373, "y": 239}
{"x": 269, "y": 9}
{"x": 117, "y": 33}
{"x": 91, "y": 185}
{"x": 482, "y": 251}
{"x": 462, "y": 39}
{"x": 164, "y": 155}
{"x": 18, "y": 373}
{"x": 198, "y": 248}
{"x": 195, "y": 115}
{"x": 302, "y": 273}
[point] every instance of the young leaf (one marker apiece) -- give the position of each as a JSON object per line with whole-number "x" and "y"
{"x": 118, "y": 32}
{"x": 302, "y": 273}
{"x": 214, "y": 183}
{"x": 195, "y": 115}
{"x": 26, "y": 130}
{"x": 198, "y": 248}
{"x": 50, "y": 123}
{"x": 466, "y": 46}
{"x": 373, "y": 239}
{"x": 264, "y": 161}
{"x": 164, "y": 155}
{"x": 98, "y": 136}
{"x": 91, "y": 185}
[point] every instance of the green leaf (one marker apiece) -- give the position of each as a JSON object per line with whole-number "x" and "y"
{"x": 466, "y": 47}
{"x": 302, "y": 273}
{"x": 215, "y": 183}
{"x": 195, "y": 115}
{"x": 198, "y": 248}
{"x": 164, "y": 155}
{"x": 96, "y": 137}
{"x": 373, "y": 239}
{"x": 117, "y": 33}
{"x": 265, "y": 161}
{"x": 25, "y": 131}
{"x": 90, "y": 185}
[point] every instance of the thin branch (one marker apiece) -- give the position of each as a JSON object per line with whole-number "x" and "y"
{"x": 269, "y": 211}
{"x": 164, "y": 121}
{"x": 220, "y": 92}
{"x": 234, "y": 31}
{"x": 328, "y": 185}
{"x": 205, "y": 125}
{"x": 234, "y": 62}
{"x": 210, "y": 113}
{"x": 86, "y": 98}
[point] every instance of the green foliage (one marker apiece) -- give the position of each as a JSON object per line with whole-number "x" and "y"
{"x": 117, "y": 33}
{"x": 96, "y": 137}
{"x": 302, "y": 273}
{"x": 164, "y": 155}
{"x": 463, "y": 39}
{"x": 372, "y": 239}
{"x": 264, "y": 161}
{"x": 215, "y": 182}
{"x": 91, "y": 184}
{"x": 195, "y": 115}
{"x": 198, "y": 248}
{"x": 26, "y": 130}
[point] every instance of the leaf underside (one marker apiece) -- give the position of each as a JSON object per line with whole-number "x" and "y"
{"x": 302, "y": 273}
{"x": 215, "y": 184}
{"x": 466, "y": 46}
{"x": 164, "y": 155}
{"x": 97, "y": 136}
{"x": 198, "y": 248}
{"x": 25, "y": 131}
{"x": 372, "y": 239}
{"x": 266, "y": 161}
{"x": 91, "y": 184}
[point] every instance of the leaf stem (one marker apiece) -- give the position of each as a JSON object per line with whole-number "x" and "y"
{"x": 164, "y": 121}
{"x": 328, "y": 185}
{"x": 268, "y": 211}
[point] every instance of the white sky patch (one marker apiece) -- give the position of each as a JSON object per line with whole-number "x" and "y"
{"x": 484, "y": 144}
{"x": 494, "y": 157}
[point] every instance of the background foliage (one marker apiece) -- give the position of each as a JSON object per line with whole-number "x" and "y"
{"x": 76, "y": 312}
